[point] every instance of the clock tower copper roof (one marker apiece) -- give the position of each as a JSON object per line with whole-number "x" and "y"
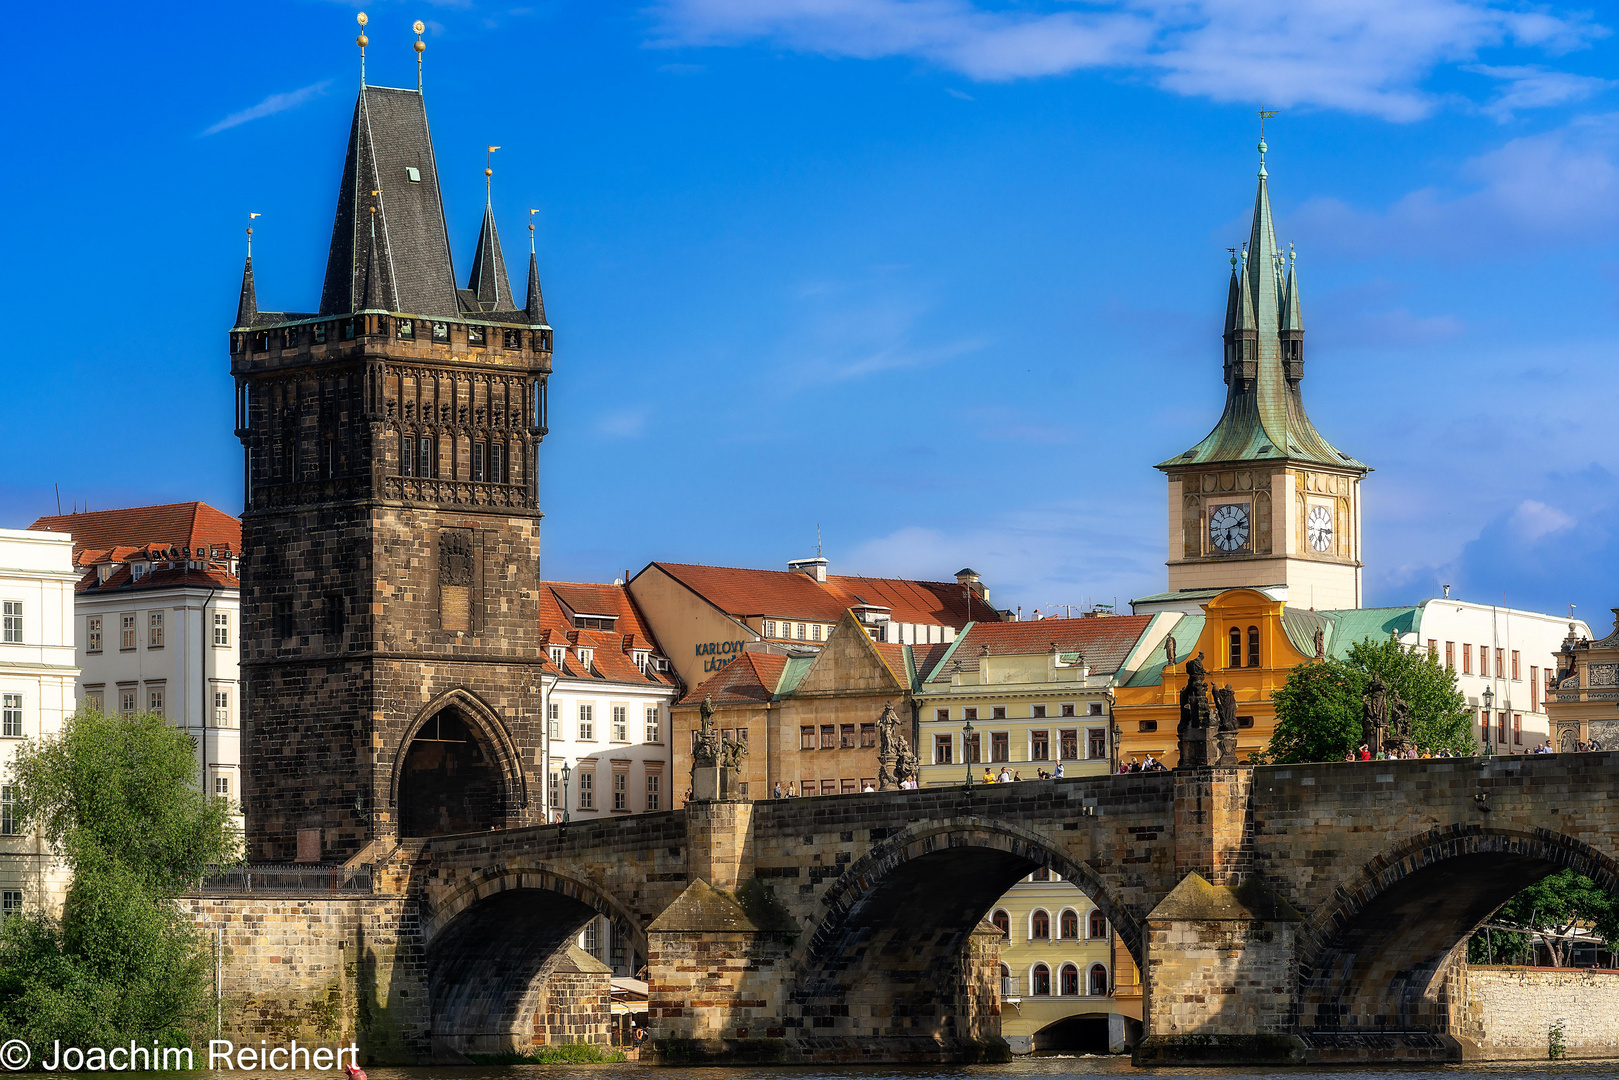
{"x": 1264, "y": 417}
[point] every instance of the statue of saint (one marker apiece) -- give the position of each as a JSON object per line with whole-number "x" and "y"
{"x": 1374, "y": 715}
{"x": 1169, "y": 651}
{"x": 706, "y": 751}
{"x": 1225, "y": 706}
{"x": 1320, "y": 643}
{"x": 890, "y": 745}
{"x": 1193, "y": 729}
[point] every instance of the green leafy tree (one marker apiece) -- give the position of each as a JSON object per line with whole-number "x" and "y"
{"x": 118, "y": 799}
{"x": 1550, "y": 910}
{"x": 1318, "y": 709}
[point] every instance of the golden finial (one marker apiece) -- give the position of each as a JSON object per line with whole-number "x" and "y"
{"x": 488, "y": 171}
{"x": 250, "y": 218}
{"x": 531, "y": 214}
{"x": 362, "y": 41}
{"x": 421, "y": 47}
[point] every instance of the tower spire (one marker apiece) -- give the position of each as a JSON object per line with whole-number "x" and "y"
{"x": 534, "y": 308}
{"x": 247, "y": 305}
{"x": 488, "y": 281}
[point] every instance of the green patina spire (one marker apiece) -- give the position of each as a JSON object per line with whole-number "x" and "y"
{"x": 1264, "y": 417}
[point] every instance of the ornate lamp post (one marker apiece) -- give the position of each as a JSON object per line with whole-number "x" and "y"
{"x": 966, "y": 754}
{"x": 566, "y": 772}
{"x": 1114, "y": 730}
{"x": 1489, "y": 723}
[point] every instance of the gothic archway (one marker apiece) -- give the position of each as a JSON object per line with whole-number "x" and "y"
{"x": 457, "y": 771}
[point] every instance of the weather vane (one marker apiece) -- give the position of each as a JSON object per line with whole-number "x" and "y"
{"x": 488, "y": 171}
{"x": 250, "y": 216}
{"x": 531, "y": 214}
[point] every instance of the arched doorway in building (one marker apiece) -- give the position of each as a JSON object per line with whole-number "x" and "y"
{"x": 451, "y": 780}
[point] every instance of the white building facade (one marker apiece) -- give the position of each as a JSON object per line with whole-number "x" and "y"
{"x": 37, "y": 675}
{"x": 1502, "y": 656}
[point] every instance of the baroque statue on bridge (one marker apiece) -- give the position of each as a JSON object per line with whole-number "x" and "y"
{"x": 895, "y": 761}
{"x": 1197, "y": 717}
{"x": 1225, "y": 704}
{"x": 1374, "y": 715}
{"x": 706, "y": 751}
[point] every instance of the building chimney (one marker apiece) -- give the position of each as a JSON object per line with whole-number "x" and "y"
{"x": 815, "y": 568}
{"x": 969, "y": 577}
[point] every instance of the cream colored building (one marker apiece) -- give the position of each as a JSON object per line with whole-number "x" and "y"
{"x": 1584, "y": 696}
{"x": 37, "y": 673}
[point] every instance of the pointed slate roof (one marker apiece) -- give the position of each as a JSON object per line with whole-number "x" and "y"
{"x": 1264, "y": 417}
{"x": 488, "y": 281}
{"x": 247, "y": 307}
{"x": 389, "y": 143}
{"x": 535, "y": 307}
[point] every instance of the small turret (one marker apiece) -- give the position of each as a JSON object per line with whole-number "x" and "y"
{"x": 1292, "y": 328}
{"x": 248, "y": 306}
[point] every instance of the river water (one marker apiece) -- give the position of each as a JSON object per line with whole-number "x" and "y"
{"x": 1033, "y": 1068}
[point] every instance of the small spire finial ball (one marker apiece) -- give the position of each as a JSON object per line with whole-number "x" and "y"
{"x": 1262, "y": 146}
{"x": 362, "y": 41}
{"x": 489, "y": 172}
{"x": 421, "y": 46}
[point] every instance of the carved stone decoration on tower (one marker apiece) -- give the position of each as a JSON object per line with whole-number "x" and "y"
{"x": 389, "y": 644}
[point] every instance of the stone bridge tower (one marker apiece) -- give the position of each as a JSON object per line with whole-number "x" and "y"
{"x": 390, "y": 659}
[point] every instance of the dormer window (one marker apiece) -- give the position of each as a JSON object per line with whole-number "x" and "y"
{"x": 103, "y": 572}
{"x": 137, "y": 571}
{"x": 558, "y": 655}
{"x": 641, "y": 658}
{"x": 594, "y": 622}
{"x": 584, "y": 655}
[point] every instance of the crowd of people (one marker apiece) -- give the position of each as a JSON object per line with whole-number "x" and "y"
{"x": 1147, "y": 763}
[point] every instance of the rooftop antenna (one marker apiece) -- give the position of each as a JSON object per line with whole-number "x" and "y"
{"x": 531, "y": 214}
{"x": 362, "y": 41}
{"x": 421, "y": 47}
{"x": 488, "y": 172}
{"x": 250, "y": 218}
{"x": 1264, "y": 114}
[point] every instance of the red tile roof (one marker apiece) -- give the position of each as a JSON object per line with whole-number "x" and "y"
{"x": 189, "y": 525}
{"x": 168, "y": 536}
{"x": 613, "y": 651}
{"x": 787, "y": 594}
{"x": 1105, "y": 642}
{"x": 750, "y": 679}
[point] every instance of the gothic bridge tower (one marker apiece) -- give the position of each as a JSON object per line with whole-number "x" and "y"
{"x": 389, "y": 638}
{"x": 1265, "y": 500}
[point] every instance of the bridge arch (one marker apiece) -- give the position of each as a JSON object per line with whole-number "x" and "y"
{"x": 900, "y": 960}
{"x": 492, "y": 942}
{"x": 457, "y": 769}
{"x": 1375, "y": 954}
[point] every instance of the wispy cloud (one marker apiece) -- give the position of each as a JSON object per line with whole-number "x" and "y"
{"x": 1536, "y": 88}
{"x": 1362, "y": 56}
{"x": 271, "y": 105}
{"x": 624, "y": 423}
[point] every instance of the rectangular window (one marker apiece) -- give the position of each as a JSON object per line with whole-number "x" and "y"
{"x": 1500, "y": 727}
{"x": 1038, "y": 712}
{"x": 475, "y": 335}
{"x": 1467, "y": 658}
{"x": 406, "y": 329}
{"x": 941, "y": 716}
{"x": 497, "y": 463}
{"x": 554, "y": 722}
{"x": 621, "y": 790}
{"x": 846, "y": 737}
{"x": 770, "y": 628}
{"x": 587, "y": 790}
{"x": 154, "y": 700}
{"x": 621, "y": 724}
{"x": 800, "y": 629}
{"x": 1484, "y": 660}
{"x": 1517, "y": 729}
{"x": 12, "y": 611}
{"x": 829, "y": 787}
{"x": 999, "y": 746}
{"x": 806, "y": 737}
{"x": 154, "y": 629}
{"x": 556, "y": 786}
{"x": 1534, "y": 687}
{"x": 11, "y": 716}
{"x": 998, "y": 713}
{"x": 222, "y": 786}
{"x": 221, "y": 707}
{"x": 849, "y": 787}
{"x": 1098, "y": 741}
{"x": 1068, "y": 710}
{"x": 815, "y": 632}
{"x": 92, "y": 636}
{"x": 94, "y": 701}
{"x": 1450, "y": 656}
{"x": 282, "y": 619}
{"x": 1517, "y": 672}
{"x": 654, "y": 732}
{"x": 654, "y": 791}
{"x": 477, "y": 461}
{"x": 126, "y": 700}
{"x": 1095, "y": 708}
{"x": 10, "y": 903}
{"x": 1040, "y": 746}
{"x": 1433, "y": 647}
{"x": 222, "y": 629}
{"x": 868, "y": 736}
{"x": 969, "y": 714}
{"x": 1501, "y": 665}
{"x": 126, "y": 632}
{"x": 942, "y": 747}
{"x": 971, "y": 748}
{"x": 1070, "y": 744}
{"x": 829, "y": 736}
{"x": 8, "y": 811}
{"x": 587, "y": 722}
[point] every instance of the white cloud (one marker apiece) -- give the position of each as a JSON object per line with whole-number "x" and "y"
{"x": 1531, "y": 193}
{"x": 1364, "y": 56}
{"x": 270, "y": 106}
{"x": 624, "y": 423}
{"x": 1533, "y": 520}
{"x": 1536, "y": 88}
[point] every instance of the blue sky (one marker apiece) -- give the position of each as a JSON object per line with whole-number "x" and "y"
{"x": 941, "y": 277}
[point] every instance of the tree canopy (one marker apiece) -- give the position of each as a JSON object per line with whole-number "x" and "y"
{"x": 118, "y": 799}
{"x": 1551, "y": 909}
{"x": 1318, "y": 709}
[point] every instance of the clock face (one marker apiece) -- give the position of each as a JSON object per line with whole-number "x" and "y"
{"x": 1228, "y": 527}
{"x": 1318, "y": 527}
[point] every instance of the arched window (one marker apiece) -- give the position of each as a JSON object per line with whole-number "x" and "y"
{"x": 1007, "y": 989}
{"x": 1002, "y": 923}
{"x": 1040, "y": 981}
{"x": 1098, "y": 981}
{"x": 1253, "y": 646}
{"x": 1070, "y": 924}
{"x": 1040, "y": 926}
{"x": 1098, "y": 926}
{"x": 1236, "y": 648}
{"x": 1070, "y": 981}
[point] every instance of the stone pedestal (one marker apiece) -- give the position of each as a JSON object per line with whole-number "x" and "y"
{"x": 715, "y": 783}
{"x": 1220, "y": 977}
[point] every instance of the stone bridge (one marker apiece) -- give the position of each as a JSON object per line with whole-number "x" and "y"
{"x": 1283, "y": 913}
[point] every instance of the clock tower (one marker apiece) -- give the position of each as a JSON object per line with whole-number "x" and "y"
{"x": 1264, "y": 501}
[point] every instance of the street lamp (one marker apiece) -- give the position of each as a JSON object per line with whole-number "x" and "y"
{"x": 1489, "y": 735}
{"x": 566, "y": 772}
{"x": 966, "y": 753}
